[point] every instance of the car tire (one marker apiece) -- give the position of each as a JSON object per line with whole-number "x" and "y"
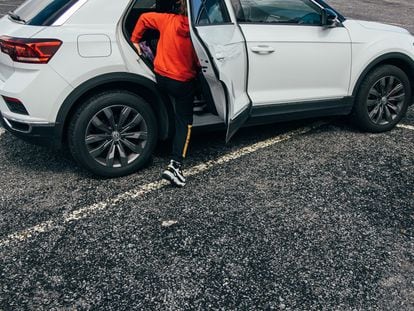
{"x": 382, "y": 99}
{"x": 113, "y": 134}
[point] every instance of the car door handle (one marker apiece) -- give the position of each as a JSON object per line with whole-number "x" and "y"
{"x": 262, "y": 49}
{"x": 220, "y": 56}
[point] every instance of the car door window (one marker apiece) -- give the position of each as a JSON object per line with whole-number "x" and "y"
{"x": 145, "y": 4}
{"x": 300, "y": 12}
{"x": 209, "y": 12}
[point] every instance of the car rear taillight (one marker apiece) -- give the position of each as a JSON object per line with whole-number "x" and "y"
{"x": 32, "y": 51}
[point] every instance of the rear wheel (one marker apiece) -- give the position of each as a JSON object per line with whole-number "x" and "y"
{"x": 113, "y": 134}
{"x": 382, "y": 99}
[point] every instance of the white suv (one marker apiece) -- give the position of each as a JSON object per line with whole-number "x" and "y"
{"x": 69, "y": 73}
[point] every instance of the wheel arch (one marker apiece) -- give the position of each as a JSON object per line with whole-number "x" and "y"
{"x": 142, "y": 86}
{"x": 400, "y": 60}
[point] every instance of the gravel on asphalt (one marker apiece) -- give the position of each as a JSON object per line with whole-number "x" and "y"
{"x": 323, "y": 221}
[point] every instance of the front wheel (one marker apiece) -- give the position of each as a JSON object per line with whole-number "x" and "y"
{"x": 382, "y": 99}
{"x": 113, "y": 134}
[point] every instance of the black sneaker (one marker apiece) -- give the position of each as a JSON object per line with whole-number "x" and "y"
{"x": 174, "y": 174}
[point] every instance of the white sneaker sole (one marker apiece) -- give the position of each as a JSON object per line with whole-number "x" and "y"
{"x": 172, "y": 179}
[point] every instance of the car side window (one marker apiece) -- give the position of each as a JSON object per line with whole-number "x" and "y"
{"x": 300, "y": 12}
{"x": 147, "y": 4}
{"x": 209, "y": 12}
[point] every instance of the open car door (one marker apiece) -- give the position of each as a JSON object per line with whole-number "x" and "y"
{"x": 221, "y": 49}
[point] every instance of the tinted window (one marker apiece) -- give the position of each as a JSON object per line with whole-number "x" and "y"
{"x": 209, "y": 12}
{"x": 144, "y": 4}
{"x": 43, "y": 12}
{"x": 303, "y": 12}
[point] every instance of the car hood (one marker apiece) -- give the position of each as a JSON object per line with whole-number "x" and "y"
{"x": 381, "y": 27}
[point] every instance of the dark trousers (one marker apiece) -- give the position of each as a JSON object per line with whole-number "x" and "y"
{"x": 183, "y": 94}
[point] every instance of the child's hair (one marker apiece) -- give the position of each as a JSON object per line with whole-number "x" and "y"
{"x": 183, "y": 7}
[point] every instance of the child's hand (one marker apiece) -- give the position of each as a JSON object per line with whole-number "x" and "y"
{"x": 138, "y": 48}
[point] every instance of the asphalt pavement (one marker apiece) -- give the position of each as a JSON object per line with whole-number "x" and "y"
{"x": 310, "y": 215}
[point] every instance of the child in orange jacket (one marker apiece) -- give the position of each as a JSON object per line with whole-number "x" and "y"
{"x": 176, "y": 66}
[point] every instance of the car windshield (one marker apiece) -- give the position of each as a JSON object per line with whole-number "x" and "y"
{"x": 42, "y": 12}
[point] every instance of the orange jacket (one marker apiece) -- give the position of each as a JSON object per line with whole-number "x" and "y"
{"x": 175, "y": 58}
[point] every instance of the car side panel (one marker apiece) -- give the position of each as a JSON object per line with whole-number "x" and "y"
{"x": 99, "y": 12}
{"x": 71, "y": 66}
{"x": 39, "y": 88}
{"x": 368, "y": 45}
{"x": 82, "y": 62}
{"x": 307, "y": 63}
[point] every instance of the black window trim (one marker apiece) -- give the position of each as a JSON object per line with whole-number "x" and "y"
{"x": 279, "y": 24}
{"x": 283, "y": 24}
{"x": 211, "y": 25}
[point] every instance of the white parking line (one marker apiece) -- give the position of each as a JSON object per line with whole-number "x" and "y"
{"x": 405, "y": 126}
{"x": 90, "y": 210}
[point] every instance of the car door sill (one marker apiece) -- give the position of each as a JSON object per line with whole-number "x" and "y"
{"x": 300, "y": 110}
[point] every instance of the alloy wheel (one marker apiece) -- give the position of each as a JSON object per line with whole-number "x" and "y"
{"x": 116, "y": 136}
{"x": 385, "y": 100}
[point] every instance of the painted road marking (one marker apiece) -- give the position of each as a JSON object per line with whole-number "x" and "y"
{"x": 90, "y": 210}
{"x": 405, "y": 126}
{"x": 2, "y": 131}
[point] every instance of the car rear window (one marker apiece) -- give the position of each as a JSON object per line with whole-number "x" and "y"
{"x": 43, "y": 12}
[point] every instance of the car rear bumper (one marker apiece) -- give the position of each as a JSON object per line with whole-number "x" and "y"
{"x": 43, "y": 134}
